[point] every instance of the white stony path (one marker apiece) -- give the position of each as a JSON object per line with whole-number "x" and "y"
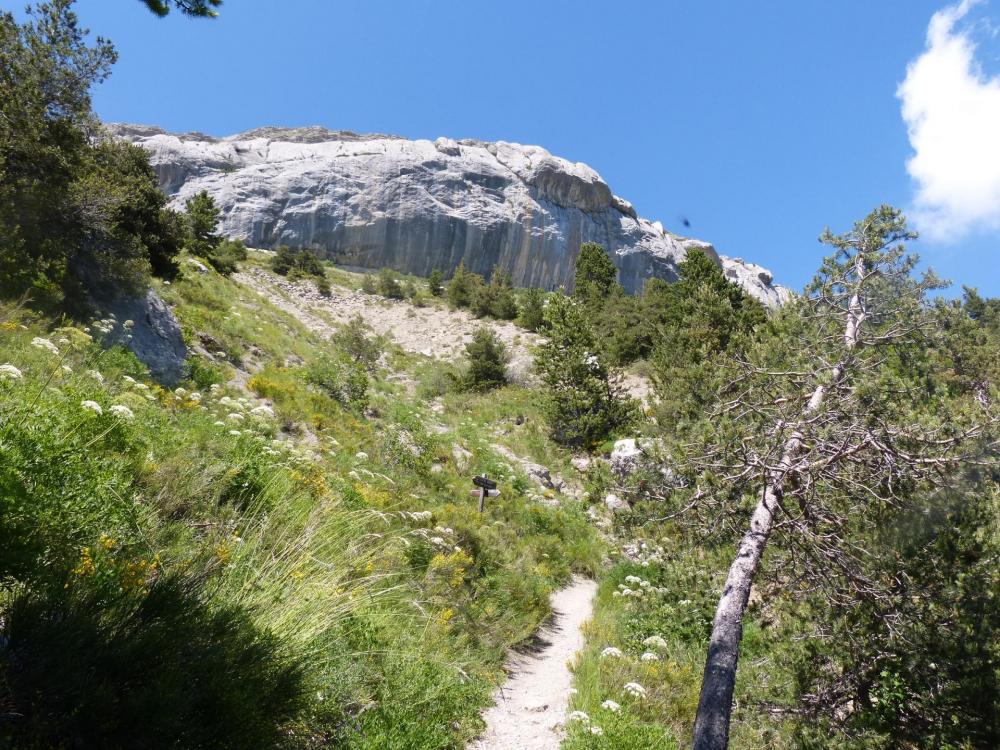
{"x": 530, "y": 708}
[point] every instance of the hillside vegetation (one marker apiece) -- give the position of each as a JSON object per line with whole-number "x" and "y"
{"x": 794, "y": 532}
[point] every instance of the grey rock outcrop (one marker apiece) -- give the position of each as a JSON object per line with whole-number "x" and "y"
{"x": 414, "y": 205}
{"x": 154, "y": 336}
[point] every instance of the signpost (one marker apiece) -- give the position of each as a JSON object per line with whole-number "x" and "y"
{"x": 487, "y": 488}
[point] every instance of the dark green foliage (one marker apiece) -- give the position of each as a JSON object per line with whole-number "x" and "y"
{"x": 342, "y": 378}
{"x": 297, "y": 264}
{"x": 531, "y": 314}
{"x": 202, "y": 216}
{"x": 434, "y": 283}
{"x": 584, "y": 404}
{"x": 323, "y": 286}
{"x": 691, "y": 323}
{"x": 193, "y": 8}
{"x": 202, "y": 220}
{"x": 497, "y": 298}
{"x": 388, "y": 284}
{"x": 595, "y": 274}
{"x": 359, "y": 342}
{"x": 74, "y": 207}
{"x": 283, "y": 260}
{"x": 204, "y": 374}
{"x": 464, "y": 287}
{"x": 90, "y": 667}
{"x": 622, "y": 327}
{"x": 487, "y": 359}
{"x": 368, "y": 285}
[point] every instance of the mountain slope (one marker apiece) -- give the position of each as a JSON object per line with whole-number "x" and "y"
{"x": 384, "y": 201}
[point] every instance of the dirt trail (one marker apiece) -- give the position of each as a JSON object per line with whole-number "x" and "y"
{"x": 530, "y": 708}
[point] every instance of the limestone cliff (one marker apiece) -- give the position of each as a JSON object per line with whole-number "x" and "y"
{"x": 381, "y": 200}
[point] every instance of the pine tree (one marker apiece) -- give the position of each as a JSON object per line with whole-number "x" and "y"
{"x": 595, "y": 275}
{"x": 487, "y": 358}
{"x": 584, "y": 402}
{"x": 434, "y": 285}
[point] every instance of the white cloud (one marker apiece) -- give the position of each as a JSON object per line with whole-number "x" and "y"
{"x": 952, "y": 112}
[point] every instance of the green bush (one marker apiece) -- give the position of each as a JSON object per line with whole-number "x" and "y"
{"x": 487, "y": 359}
{"x": 584, "y": 403}
{"x": 464, "y": 287}
{"x": 388, "y": 284}
{"x": 89, "y": 667}
{"x": 434, "y": 283}
{"x": 531, "y": 313}
{"x": 297, "y": 264}
{"x": 341, "y": 378}
{"x": 356, "y": 339}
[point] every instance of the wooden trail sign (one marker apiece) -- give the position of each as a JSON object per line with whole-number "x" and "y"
{"x": 487, "y": 488}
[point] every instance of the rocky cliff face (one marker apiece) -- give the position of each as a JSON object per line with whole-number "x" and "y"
{"x": 379, "y": 200}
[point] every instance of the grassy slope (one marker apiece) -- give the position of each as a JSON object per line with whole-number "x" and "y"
{"x": 396, "y": 621}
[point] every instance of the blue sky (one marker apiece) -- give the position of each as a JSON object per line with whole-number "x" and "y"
{"x": 761, "y": 123}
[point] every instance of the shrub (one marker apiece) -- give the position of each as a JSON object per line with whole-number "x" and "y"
{"x": 487, "y": 361}
{"x": 283, "y": 260}
{"x": 388, "y": 285}
{"x": 323, "y": 286}
{"x": 434, "y": 285}
{"x": 91, "y": 667}
{"x": 463, "y": 287}
{"x": 368, "y": 284}
{"x": 531, "y": 314}
{"x": 359, "y": 342}
{"x": 341, "y": 379}
{"x": 595, "y": 274}
{"x": 297, "y": 264}
{"x": 584, "y": 404}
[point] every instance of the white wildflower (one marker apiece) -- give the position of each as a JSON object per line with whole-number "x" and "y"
{"x": 39, "y": 343}
{"x": 234, "y": 417}
{"x": 683, "y": 602}
{"x": 263, "y": 411}
{"x": 66, "y": 368}
{"x": 626, "y": 592}
{"x": 635, "y": 690}
{"x": 196, "y": 397}
{"x": 95, "y": 375}
{"x": 612, "y": 652}
{"x": 121, "y": 411}
{"x": 235, "y": 433}
{"x": 649, "y": 656}
{"x": 92, "y": 406}
{"x": 361, "y": 456}
{"x": 9, "y": 372}
{"x": 219, "y": 423}
{"x": 128, "y": 379}
{"x": 632, "y": 579}
{"x": 578, "y": 716}
{"x": 596, "y": 730}
{"x": 655, "y": 641}
{"x": 437, "y": 540}
{"x": 611, "y": 706}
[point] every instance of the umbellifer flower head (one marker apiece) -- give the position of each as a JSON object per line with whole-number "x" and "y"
{"x": 39, "y": 343}
{"x": 92, "y": 406}
{"x": 121, "y": 411}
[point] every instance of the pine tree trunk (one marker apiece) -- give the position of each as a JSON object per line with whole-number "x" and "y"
{"x": 711, "y": 727}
